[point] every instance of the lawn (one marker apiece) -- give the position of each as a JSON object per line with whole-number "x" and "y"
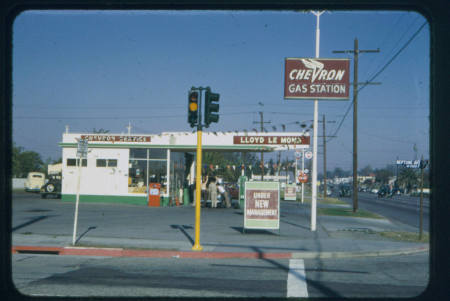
{"x": 347, "y": 212}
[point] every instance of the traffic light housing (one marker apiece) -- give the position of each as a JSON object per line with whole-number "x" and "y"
{"x": 211, "y": 107}
{"x": 193, "y": 108}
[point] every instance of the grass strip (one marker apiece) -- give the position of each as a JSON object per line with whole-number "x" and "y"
{"x": 328, "y": 200}
{"x": 405, "y": 236}
{"x": 347, "y": 212}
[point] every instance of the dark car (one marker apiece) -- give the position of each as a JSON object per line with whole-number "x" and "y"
{"x": 345, "y": 191}
{"x": 52, "y": 187}
{"x": 383, "y": 191}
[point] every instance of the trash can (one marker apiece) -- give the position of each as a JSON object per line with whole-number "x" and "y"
{"x": 165, "y": 201}
{"x": 186, "y": 197}
{"x": 154, "y": 199}
{"x": 242, "y": 180}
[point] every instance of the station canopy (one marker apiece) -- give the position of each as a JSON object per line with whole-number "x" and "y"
{"x": 187, "y": 141}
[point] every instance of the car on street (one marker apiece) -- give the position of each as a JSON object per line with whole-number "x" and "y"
{"x": 51, "y": 188}
{"x": 345, "y": 191}
{"x": 34, "y": 181}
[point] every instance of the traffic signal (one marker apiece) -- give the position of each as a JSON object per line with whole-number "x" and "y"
{"x": 211, "y": 107}
{"x": 193, "y": 108}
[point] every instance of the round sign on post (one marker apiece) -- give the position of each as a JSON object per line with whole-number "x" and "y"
{"x": 308, "y": 155}
{"x": 302, "y": 177}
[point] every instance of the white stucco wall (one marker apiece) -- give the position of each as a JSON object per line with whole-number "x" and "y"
{"x": 97, "y": 180}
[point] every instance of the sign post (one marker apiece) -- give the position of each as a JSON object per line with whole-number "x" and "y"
{"x": 422, "y": 164}
{"x": 303, "y": 170}
{"x": 82, "y": 150}
{"x": 316, "y": 78}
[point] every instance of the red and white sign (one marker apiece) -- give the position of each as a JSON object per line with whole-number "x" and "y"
{"x": 272, "y": 140}
{"x": 310, "y": 78}
{"x": 302, "y": 177}
{"x": 115, "y": 138}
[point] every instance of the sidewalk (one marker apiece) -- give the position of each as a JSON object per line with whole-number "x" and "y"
{"x": 169, "y": 232}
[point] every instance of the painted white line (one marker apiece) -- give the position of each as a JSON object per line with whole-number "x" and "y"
{"x": 296, "y": 280}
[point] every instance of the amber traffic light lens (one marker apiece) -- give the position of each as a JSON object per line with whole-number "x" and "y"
{"x": 193, "y": 106}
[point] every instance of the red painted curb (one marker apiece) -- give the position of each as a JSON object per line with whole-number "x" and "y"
{"x": 35, "y": 249}
{"x": 118, "y": 252}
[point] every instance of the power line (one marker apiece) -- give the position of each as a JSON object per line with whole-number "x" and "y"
{"x": 378, "y": 73}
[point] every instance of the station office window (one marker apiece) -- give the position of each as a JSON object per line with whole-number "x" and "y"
{"x": 147, "y": 165}
{"x": 74, "y": 162}
{"x": 106, "y": 163}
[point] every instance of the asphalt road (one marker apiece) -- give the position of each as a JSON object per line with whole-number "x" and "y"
{"x": 403, "y": 209}
{"x": 51, "y": 275}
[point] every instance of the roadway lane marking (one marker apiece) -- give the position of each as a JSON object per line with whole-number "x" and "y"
{"x": 296, "y": 280}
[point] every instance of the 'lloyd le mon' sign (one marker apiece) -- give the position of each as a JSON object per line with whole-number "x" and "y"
{"x": 316, "y": 78}
{"x": 272, "y": 140}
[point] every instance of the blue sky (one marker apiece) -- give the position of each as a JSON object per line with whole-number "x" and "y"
{"x": 101, "y": 69}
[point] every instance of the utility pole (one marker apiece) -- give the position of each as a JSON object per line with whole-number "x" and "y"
{"x": 261, "y": 114}
{"x": 324, "y": 160}
{"x": 325, "y": 156}
{"x": 355, "y": 52}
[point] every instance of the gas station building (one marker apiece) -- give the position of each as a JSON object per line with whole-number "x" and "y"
{"x": 120, "y": 168}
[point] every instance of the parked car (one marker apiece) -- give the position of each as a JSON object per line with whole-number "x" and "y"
{"x": 34, "y": 181}
{"x": 52, "y": 187}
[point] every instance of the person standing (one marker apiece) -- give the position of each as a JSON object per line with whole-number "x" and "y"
{"x": 204, "y": 194}
{"x": 212, "y": 189}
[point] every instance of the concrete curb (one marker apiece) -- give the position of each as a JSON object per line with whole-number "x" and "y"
{"x": 119, "y": 252}
{"x": 325, "y": 255}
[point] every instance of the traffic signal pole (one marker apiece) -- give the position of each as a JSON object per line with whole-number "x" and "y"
{"x": 195, "y": 119}
{"x": 198, "y": 189}
{"x": 198, "y": 178}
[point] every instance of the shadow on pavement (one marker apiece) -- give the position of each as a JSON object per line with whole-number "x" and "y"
{"x": 32, "y": 221}
{"x": 182, "y": 229}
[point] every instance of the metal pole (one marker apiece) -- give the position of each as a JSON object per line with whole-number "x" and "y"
{"x": 355, "y": 127}
{"x": 324, "y": 161}
{"x": 75, "y": 223}
{"x": 421, "y": 200}
{"x": 303, "y": 171}
{"x": 316, "y": 117}
{"x": 262, "y": 153}
{"x": 296, "y": 176}
{"x": 198, "y": 186}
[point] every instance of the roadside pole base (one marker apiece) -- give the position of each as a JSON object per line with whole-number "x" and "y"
{"x": 197, "y": 247}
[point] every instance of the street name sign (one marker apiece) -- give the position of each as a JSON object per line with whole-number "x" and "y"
{"x": 82, "y": 148}
{"x": 409, "y": 163}
{"x": 316, "y": 78}
{"x": 262, "y": 205}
